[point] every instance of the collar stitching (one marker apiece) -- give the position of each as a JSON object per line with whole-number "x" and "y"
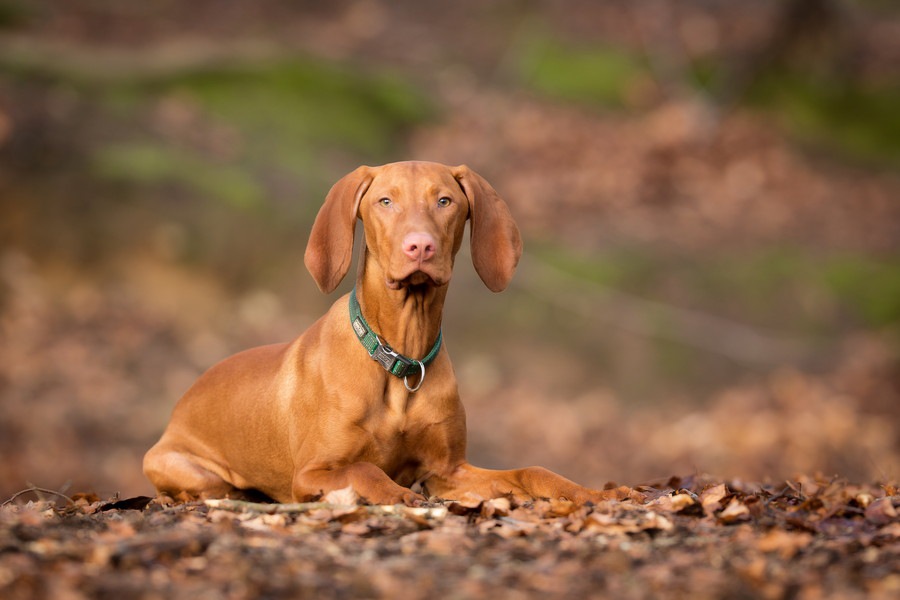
{"x": 393, "y": 362}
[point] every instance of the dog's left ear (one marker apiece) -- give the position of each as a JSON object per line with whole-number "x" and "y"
{"x": 330, "y": 247}
{"x": 495, "y": 239}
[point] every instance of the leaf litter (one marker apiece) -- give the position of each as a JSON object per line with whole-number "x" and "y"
{"x": 810, "y": 538}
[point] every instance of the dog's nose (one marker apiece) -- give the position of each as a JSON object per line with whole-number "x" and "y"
{"x": 419, "y": 247}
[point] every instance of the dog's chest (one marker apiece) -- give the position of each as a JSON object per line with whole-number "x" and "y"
{"x": 396, "y": 417}
{"x": 395, "y": 428}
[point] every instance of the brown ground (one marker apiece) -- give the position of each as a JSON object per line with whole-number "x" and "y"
{"x": 684, "y": 538}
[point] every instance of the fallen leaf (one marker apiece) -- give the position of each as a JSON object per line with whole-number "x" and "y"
{"x": 711, "y": 498}
{"x": 217, "y": 515}
{"x": 674, "y": 503}
{"x": 343, "y": 497}
{"x": 264, "y": 522}
{"x": 785, "y": 543}
{"x": 356, "y": 528}
{"x": 891, "y": 530}
{"x": 561, "y": 508}
{"x": 496, "y": 507}
{"x": 422, "y": 514}
{"x": 441, "y": 542}
{"x": 507, "y": 527}
{"x": 466, "y": 504}
{"x": 734, "y": 512}
{"x": 864, "y": 499}
{"x": 623, "y": 492}
{"x": 633, "y": 523}
{"x": 881, "y": 511}
{"x": 85, "y": 498}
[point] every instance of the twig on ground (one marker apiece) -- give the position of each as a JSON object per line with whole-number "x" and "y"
{"x": 434, "y": 512}
{"x": 35, "y": 489}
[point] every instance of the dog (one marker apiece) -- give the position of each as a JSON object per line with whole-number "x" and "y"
{"x": 366, "y": 397}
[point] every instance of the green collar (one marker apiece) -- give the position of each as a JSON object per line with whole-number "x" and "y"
{"x": 393, "y": 362}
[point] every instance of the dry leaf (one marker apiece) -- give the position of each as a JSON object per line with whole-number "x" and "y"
{"x": 711, "y": 498}
{"x": 343, "y": 497}
{"x": 219, "y": 516}
{"x": 265, "y": 522}
{"x": 785, "y": 543}
{"x": 561, "y": 508}
{"x": 356, "y": 528}
{"x": 891, "y": 529}
{"x": 496, "y": 507}
{"x": 507, "y": 527}
{"x": 864, "y": 499}
{"x": 423, "y": 514}
{"x": 674, "y": 503}
{"x": 440, "y": 542}
{"x": 734, "y": 512}
{"x": 634, "y": 522}
{"x": 466, "y": 504}
{"x": 623, "y": 492}
{"x": 881, "y": 511}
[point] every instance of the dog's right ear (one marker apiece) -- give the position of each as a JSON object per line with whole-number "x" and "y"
{"x": 330, "y": 247}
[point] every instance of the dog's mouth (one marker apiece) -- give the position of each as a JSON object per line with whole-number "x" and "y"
{"x": 415, "y": 279}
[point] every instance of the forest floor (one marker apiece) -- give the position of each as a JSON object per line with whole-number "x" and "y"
{"x": 691, "y": 537}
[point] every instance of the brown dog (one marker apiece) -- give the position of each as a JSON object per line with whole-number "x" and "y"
{"x": 297, "y": 420}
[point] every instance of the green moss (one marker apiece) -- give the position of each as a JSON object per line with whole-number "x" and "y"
{"x": 787, "y": 289}
{"x": 294, "y": 107}
{"x": 151, "y": 164}
{"x": 14, "y": 13}
{"x": 871, "y": 288}
{"x": 286, "y": 118}
{"x": 859, "y": 120}
{"x": 621, "y": 268}
{"x": 594, "y": 75}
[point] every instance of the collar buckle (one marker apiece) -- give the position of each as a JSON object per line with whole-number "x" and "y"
{"x": 393, "y": 362}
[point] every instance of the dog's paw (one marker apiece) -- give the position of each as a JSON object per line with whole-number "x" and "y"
{"x": 413, "y": 499}
{"x": 586, "y": 495}
{"x": 402, "y": 496}
{"x": 407, "y": 497}
{"x": 621, "y": 493}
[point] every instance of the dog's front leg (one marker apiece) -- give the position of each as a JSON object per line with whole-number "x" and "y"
{"x": 365, "y": 478}
{"x": 530, "y": 482}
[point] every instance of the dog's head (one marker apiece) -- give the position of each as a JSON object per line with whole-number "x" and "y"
{"x": 414, "y": 214}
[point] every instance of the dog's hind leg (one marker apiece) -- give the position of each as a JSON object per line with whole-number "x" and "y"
{"x": 182, "y": 476}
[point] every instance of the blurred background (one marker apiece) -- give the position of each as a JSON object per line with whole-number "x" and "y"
{"x": 708, "y": 191}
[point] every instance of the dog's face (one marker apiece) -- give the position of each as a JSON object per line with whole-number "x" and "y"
{"x": 414, "y": 215}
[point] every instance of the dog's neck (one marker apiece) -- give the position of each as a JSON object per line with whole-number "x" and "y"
{"x": 408, "y": 319}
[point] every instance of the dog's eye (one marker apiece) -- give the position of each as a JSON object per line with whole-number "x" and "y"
{"x": 444, "y": 201}
{"x": 385, "y": 202}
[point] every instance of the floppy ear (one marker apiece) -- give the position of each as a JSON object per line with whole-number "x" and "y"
{"x": 330, "y": 246}
{"x": 496, "y": 244}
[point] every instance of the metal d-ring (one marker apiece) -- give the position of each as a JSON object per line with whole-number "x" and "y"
{"x": 421, "y": 378}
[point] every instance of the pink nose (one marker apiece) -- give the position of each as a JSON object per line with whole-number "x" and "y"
{"x": 419, "y": 246}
